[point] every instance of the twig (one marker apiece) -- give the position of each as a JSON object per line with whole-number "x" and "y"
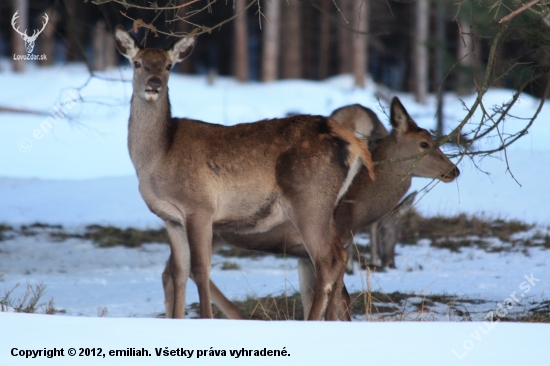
{"x": 517, "y": 11}
{"x": 153, "y": 6}
{"x": 138, "y": 23}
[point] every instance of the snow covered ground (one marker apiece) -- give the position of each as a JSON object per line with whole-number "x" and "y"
{"x": 306, "y": 343}
{"x": 77, "y": 172}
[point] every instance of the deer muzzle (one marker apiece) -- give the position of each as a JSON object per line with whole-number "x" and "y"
{"x": 152, "y": 89}
{"x": 450, "y": 175}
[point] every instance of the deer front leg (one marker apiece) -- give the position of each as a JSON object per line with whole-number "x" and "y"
{"x": 176, "y": 273}
{"x": 168, "y": 287}
{"x": 306, "y": 274}
{"x": 218, "y": 298}
{"x": 199, "y": 235}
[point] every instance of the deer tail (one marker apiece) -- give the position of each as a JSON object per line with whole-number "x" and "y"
{"x": 357, "y": 147}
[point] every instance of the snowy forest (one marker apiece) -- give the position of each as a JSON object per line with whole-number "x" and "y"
{"x": 417, "y": 46}
{"x": 450, "y": 266}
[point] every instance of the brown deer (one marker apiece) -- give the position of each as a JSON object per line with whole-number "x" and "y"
{"x": 248, "y": 178}
{"x": 365, "y": 202}
{"x": 384, "y": 233}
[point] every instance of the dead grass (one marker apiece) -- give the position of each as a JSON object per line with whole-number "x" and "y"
{"x": 227, "y": 251}
{"x": 29, "y": 302}
{"x": 108, "y": 236}
{"x": 230, "y": 266}
{"x": 266, "y": 308}
{"x": 443, "y": 232}
{"x": 458, "y": 231}
{"x": 3, "y": 230}
{"x": 368, "y": 305}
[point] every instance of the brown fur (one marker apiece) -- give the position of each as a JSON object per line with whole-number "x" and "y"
{"x": 248, "y": 178}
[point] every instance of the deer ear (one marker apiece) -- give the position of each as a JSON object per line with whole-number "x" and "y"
{"x": 125, "y": 43}
{"x": 181, "y": 48}
{"x": 400, "y": 119}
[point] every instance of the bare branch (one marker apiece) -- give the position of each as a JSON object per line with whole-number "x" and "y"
{"x": 520, "y": 10}
{"x": 153, "y": 6}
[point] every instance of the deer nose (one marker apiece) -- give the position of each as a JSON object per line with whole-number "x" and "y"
{"x": 450, "y": 175}
{"x": 154, "y": 83}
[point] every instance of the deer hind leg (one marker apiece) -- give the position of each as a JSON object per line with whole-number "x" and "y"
{"x": 338, "y": 287}
{"x": 327, "y": 254}
{"x": 307, "y": 285}
{"x": 227, "y": 307}
{"x": 176, "y": 273}
{"x": 345, "y": 305}
{"x": 199, "y": 234}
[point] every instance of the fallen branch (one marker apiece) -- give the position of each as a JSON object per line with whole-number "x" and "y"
{"x": 22, "y": 111}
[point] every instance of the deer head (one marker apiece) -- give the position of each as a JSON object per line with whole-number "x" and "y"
{"x": 412, "y": 140}
{"x": 29, "y": 41}
{"x": 151, "y": 66}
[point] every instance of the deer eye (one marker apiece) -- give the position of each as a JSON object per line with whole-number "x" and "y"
{"x": 424, "y": 145}
{"x": 137, "y": 65}
{"x": 169, "y": 67}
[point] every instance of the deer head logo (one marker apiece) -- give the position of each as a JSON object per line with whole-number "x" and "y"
{"x": 29, "y": 41}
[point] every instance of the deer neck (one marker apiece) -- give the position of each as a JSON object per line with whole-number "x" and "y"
{"x": 393, "y": 179}
{"x": 367, "y": 201}
{"x": 149, "y": 131}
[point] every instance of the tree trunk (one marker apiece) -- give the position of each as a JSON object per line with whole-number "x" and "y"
{"x": 324, "y": 40}
{"x": 240, "y": 61}
{"x": 360, "y": 42}
{"x": 185, "y": 67}
{"x": 75, "y": 30}
{"x": 465, "y": 58}
{"x": 309, "y": 40}
{"x": 291, "y": 37}
{"x": 98, "y": 61}
{"x": 270, "y": 41}
{"x": 22, "y": 6}
{"x": 344, "y": 36}
{"x": 47, "y": 38}
{"x": 420, "y": 51}
{"x": 438, "y": 65}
